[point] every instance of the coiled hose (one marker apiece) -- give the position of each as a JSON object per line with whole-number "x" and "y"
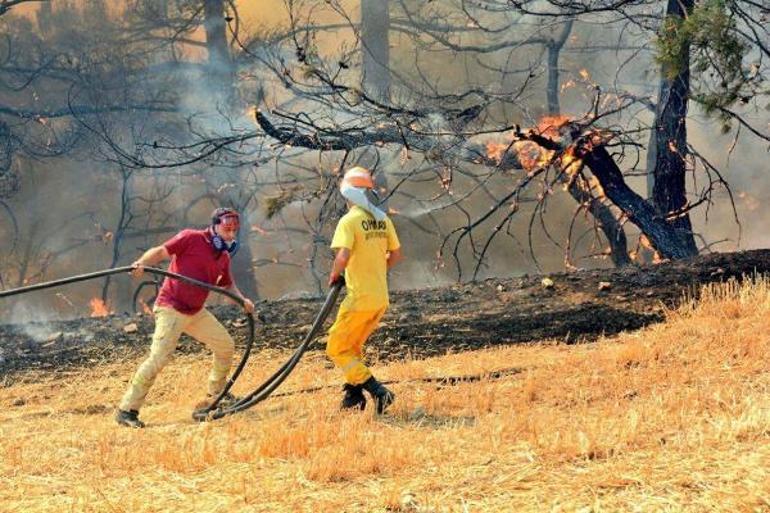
{"x": 263, "y": 391}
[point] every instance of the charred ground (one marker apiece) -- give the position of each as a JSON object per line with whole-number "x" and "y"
{"x": 578, "y": 306}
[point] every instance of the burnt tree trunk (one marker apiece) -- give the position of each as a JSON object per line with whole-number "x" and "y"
{"x": 607, "y": 221}
{"x": 375, "y": 47}
{"x": 222, "y": 84}
{"x": 220, "y": 67}
{"x": 670, "y": 138}
{"x": 242, "y": 263}
{"x": 663, "y": 235}
{"x": 554, "y": 47}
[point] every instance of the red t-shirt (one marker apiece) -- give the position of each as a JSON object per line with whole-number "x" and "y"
{"x": 193, "y": 255}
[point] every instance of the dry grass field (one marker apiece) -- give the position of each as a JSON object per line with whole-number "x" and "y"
{"x": 675, "y": 417}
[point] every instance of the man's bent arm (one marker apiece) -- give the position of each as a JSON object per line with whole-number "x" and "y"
{"x": 152, "y": 256}
{"x": 248, "y": 305}
{"x": 394, "y": 257}
{"x": 339, "y": 265}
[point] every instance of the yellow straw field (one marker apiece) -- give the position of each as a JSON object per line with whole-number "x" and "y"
{"x": 675, "y": 417}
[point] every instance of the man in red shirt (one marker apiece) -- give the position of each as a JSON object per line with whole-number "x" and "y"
{"x": 205, "y": 256}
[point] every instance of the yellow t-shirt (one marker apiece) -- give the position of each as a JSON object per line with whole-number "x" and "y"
{"x": 366, "y": 275}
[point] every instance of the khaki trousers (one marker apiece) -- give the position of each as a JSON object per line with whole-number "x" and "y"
{"x": 346, "y": 342}
{"x": 169, "y": 326}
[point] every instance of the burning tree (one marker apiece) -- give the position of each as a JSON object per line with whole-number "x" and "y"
{"x": 320, "y": 101}
{"x": 598, "y": 140}
{"x": 472, "y": 115}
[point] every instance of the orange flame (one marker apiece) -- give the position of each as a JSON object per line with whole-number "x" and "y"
{"x": 549, "y": 125}
{"x": 99, "y": 308}
{"x": 496, "y": 150}
{"x": 530, "y": 154}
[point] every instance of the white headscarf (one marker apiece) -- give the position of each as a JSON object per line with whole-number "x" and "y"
{"x": 358, "y": 196}
{"x": 354, "y": 187}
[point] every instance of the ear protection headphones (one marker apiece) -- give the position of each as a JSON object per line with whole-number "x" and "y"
{"x": 220, "y": 245}
{"x": 226, "y": 216}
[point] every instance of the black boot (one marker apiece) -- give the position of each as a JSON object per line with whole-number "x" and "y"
{"x": 129, "y": 418}
{"x": 383, "y": 397}
{"x": 354, "y": 397}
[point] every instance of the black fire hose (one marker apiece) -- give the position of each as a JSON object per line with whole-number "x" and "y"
{"x": 161, "y": 272}
{"x": 135, "y": 298}
{"x": 259, "y": 394}
{"x": 263, "y": 391}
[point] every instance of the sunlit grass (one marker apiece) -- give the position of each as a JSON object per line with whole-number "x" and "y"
{"x": 675, "y": 417}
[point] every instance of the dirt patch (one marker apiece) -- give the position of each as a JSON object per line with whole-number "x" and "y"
{"x": 578, "y": 306}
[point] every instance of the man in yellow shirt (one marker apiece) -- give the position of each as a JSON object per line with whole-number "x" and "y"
{"x": 366, "y": 247}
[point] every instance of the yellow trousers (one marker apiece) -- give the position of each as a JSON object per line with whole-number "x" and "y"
{"x": 169, "y": 326}
{"x": 346, "y": 342}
